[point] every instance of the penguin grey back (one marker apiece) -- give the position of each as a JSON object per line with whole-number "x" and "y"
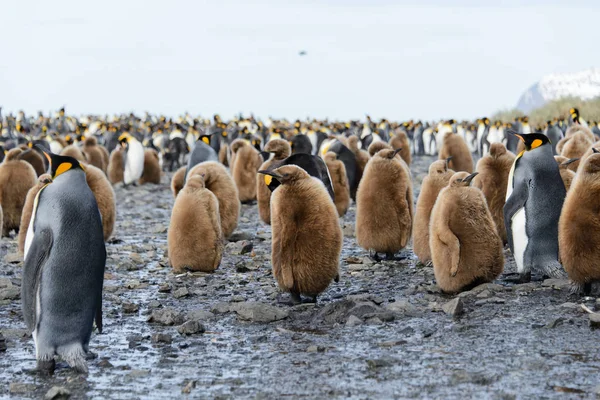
{"x": 201, "y": 152}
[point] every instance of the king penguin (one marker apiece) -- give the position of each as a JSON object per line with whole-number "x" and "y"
{"x": 63, "y": 271}
{"x": 133, "y": 158}
{"x": 534, "y": 199}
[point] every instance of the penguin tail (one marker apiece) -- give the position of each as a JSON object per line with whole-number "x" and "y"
{"x": 553, "y": 269}
{"x": 74, "y": 355}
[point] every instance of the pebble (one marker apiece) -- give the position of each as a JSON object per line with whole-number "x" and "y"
{"x": 315, "y": 349}
{"x": 239, "y": 248}
{"x": 191, "y": 328}
{"x": 353, "y": 321}
{"x": 402, "y": 306}
{"x": 558, "y": 284}
{"x": 454, "y": 307}
{"x": 594, "y": 320}
{"x": 181, "y": 292}
{"x": 57, "y": 392}
{"x": 187, "y": 389}
{"x": 138, "y": 373}
{"x": 10, "y": 292}
{"x": 130, "y": 308}
{"x": 259, "y": 312}
{"x": 165, "y": 316}
{"x": 240, "y": 236}
{"x": 162, "y": 338}
{"x": 21, "y": 388}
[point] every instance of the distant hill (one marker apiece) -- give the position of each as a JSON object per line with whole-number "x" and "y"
{"x": 584, "y": 85}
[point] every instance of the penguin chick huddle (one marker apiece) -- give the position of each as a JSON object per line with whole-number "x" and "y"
{"x": 303, "y": 177}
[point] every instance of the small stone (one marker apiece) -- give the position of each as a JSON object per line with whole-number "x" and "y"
{"x": 159, "y": 229}
{"x": 454, "y": 307}
{"x": 133, "y": 284}
{"x": 136, "y": 258}
{"x": 569, "y": 306}
{"x": 240, "y": 236}
{"x": 484, "y": 294}
{"x": 555, "y": 322}
{"x": 139, "y": 373}
{"x": 2, "y": 343}
{"x": 57, "y": 392}
{"x": 348, "y": 230}
{"x": 166, "y": 316}
{"x": 594, "y": 321}
{"x": 154, "y": 304}
{"x": 402, "y": 306}
{"x": 10, "y": 293}
{"x": 105, "y": 364}
{"x": 187, "y": 389}
{"x": 162, "y": 338}
{"x": 13, "y": 258}
{"x": 164, "y": 288}
{"x": 191, "y": 328}
{"x": 239, "y": 248}
{"x": 557, "y": 284}
{"x": 181, "y": 292}
{"x": 221, "y": 308}
{"x": 378, "y": 363}
{"x": 259, "y": 312}
{"x": 374, "y": 321}
{"x": 315, "y": 349}
{"x": 242, "y": 267}
{"x": 199, "y": 315}
{"x": 237, "y": 298}
{"x": 21, "y": 388}
{"x": 357, "y": 267}
{"x": 130, "y": 308}
{"x": 353, "y": 321}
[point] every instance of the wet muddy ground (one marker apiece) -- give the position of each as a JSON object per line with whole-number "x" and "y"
{"x": 383, "y": 331}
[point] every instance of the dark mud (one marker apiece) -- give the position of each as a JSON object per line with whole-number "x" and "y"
{"x": 381, "y": 332}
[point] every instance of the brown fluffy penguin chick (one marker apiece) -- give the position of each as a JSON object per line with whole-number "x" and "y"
{"x": 43, "y": 180}
{"x": 400, "y": 141}
{"x": 195, "y": 239}
{"x": 116, "y": 166}
{"x": 218, "y": 181}
{"x": 362, "y": 156}
{"x": 224, "y": 154}
{"x": 437, "y": 179}
{"x": 378, "y": 146}
{"x": 177, "y": 181}
{"x": 579, "y": 226}
{"x": 244, "y": 169}
{"x": 307, "y": 237}
{"x": 280, "y": 150}
{"x": 576, "y": 147}
{"x": 35, "y": 159}
{"x": 152, "y": 171}
{"x": 585, "y": 155}
{"x": 565, "y": 173}
{"x": 580, "y": 129}
{"x": 454, "y": 146}
{"x": 73, "y": 151}
{"x": 93, "y": 154}
{"x": 233, "y": 148}
{"x": 465, "y": 246}
{"x": 16, "y": 178}
{"x": 105, "y": 197}
{"x": 384, "y": 204}
{"x": 339, "y": 180}
{"x": 494, "y": 169}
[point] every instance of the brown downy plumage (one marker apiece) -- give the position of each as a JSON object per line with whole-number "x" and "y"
{"x": 93, "y": 154}
{"x": 105, "y": 156}
{"x": 43, "y": 180}
{"x": 378, "y": 146}
{"x": 307, "y": 238}
{"x": 579, "y": 226}
{"x": 576, "y": 147}
{"x": 465, "y": 246}
{"x": 116, "y": 166}
{"x": 195, "y": 239}
{"x": 454, "y": 146}
{"x": 224, "y": 154}
{"x": 281, "y": 150}
{"x": 588, "y": 152}
{"x": 73, "y": 151}
{"x": 151, "y": 168}
{"x": 399, "y": 140}
{"x": 339, "y": 180}
{"x": 493, "y": 169}
{"x": 244, "y": 168}
{"x": 218, "y": 181}
{"x": 437, "y": 179}
{"x": 565, "y": 173}
{"x": 177, "y": 181}
{"x": 362, "y": 156}
{"x": 16, "y": 178}
{"x": 384, "y": 204}
{"x": 105, "y": 197}
{"x": 34, "y": 158}
{"x": 569, "y": 135}
{"x": 233, "y": 148}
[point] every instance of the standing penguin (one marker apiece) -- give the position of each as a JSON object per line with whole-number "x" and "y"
{"x": 279, "y": 150}
{"x": 63, "y": 271}
{"x": 534, "y": 199}
{"x": 43, "y": 180}
{"x": 245, "y": 166}
{"x": 465, "y": 246}
{"x": 579, "y": 226}
{"x": 133, "y": 159}
{"x": 93, "y": 154}
{"x": 386, "y": 181}
{"x": 16, "y": 178}
{"x": 178, "y": 180}
{"x": 362, "y": 156}
{"x": 33, "y": 158}
{"x": 576, "y": 147}
{"x": 301, "y": 144}
{"x": 493, "y": 170}
{"x": 195, "y": 239}
{"x": 375, "y": 147}
{"x": 399, "y": 140}
{"x": 116, "y": 166}
{"x": 300, "y": 266}
{"x": 152, "y": 169}
{"x": 437, "y": 179}
{"x": 201, "y": 152}
{"x": 454, "y": 146}
{"x": 337, "y": 172}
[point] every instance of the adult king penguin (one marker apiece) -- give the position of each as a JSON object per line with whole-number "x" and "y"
{"x": 133, "y": 158}
{"x": 64, "y": 264}
{"x": 534, "y": 199}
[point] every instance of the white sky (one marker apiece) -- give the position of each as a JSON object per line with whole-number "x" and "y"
{"x": 394, "y": 59}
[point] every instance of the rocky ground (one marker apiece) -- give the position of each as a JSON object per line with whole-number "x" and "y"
{"x": 383, "y": 331}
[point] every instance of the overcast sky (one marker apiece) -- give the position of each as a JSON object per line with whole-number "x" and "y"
{"x": 394, "y": 59}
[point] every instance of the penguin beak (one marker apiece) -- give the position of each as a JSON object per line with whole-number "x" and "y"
{"x": 271, "y": 173}
{"x": 40, "y": 148}
{"x": 469, "y": 178}
{"x": 517, "y": 135}
{"x": 396, "y": 152}
{"x": 595, "y": 150}
{"x": 448, "y": 162}
{"x": 572, "y": 160}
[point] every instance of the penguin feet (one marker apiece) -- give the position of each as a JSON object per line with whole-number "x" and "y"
{"x": 516, "y": 277}
{"x": 337, "y": 278}
{"x": 90, "y": 356}
{"x": 294, "y": 299}
{"x": 46, "y": 367}
{"x": 373, "y": 256}
{"x": 310, "y": 300}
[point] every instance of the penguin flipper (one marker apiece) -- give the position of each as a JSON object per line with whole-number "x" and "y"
{"x": 32, "y": 268}
{"x": 514, "y": 203}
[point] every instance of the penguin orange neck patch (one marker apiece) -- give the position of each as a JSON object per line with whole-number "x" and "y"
{"x": 206, "y": 140}
{"x": 536, "y": 143}
{"x": 268, "y": 179}
{"x": 62, "y": 168}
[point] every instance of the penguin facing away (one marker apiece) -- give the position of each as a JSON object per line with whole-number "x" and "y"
{"x": 534, "y": 199}
{"x": 63, "y": 271}
{"x": 116, "y": 166}
{"x": 278, "y": 150}
{"x": 337, "y": 172}
{"x": 307, "y": 241}
{"x": 465, "y": 247}
{"x": 152, "y": 169}
{"x": 454, "y": 146}
{"x": 178, "y": 181}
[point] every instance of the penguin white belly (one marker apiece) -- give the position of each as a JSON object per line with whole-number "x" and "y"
{"x": 494, "y": 136}
{"x": 55, "y": 147}
{"x": 376, "y": 138}
{"x": 520, "y": 239}
{"x": 313, "y": 141}
{"x": 30, "y": 234}
{"x": 469, "y": 138}
{"x": 190, "y": 140}
{"x": 427, "y": 133}
{"x": 134, "y": 167}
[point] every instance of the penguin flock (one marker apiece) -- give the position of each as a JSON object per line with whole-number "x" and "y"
{"x": 534, "y": 189}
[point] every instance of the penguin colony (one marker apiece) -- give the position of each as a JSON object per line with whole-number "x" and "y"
{"x": 535, "y": 189}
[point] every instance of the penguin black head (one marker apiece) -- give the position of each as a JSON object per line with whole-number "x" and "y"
{"x": 574, "y": 114}
{"x": 205, "y": 139}
{"x": 532, "y": 140}
{"x": 60, "y": 164}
